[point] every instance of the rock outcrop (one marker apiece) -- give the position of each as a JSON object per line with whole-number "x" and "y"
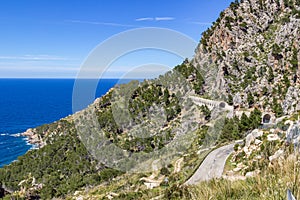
{"x": 293, "y": 133}
{"x": 252, "y": 51}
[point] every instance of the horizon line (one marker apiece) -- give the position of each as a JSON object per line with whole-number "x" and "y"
{"x": 134, "y": 78}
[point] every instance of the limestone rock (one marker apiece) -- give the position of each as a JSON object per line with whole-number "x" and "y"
{"x": 273, "y": 137}
{"x": 277, "y": 155}
{"x": 252, "y": 136}
{"x": 252, "y": 174}
{"x": 238, "y": 55}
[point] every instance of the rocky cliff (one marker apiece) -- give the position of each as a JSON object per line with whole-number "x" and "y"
{"x": 251, "y": 53}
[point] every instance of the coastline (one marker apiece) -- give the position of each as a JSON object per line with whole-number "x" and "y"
{"x": 32, "y": 138}
{"x": 29, "y": 144}
{"x": 18, "y": 138}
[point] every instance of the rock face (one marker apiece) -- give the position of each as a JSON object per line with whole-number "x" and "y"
{"x": 277, "y": 155}
{"x": 290, "y": 102}
{"x": 253, "y": 50}
{"x": 33, "y": 138}
{"x": 293, "y": 133}
{"x": 251, "y": 137}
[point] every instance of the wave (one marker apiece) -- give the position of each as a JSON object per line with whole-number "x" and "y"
{"x": 13, "y": 135}
{"x": 17, "y": 135}
{"x": 33, "y": 146}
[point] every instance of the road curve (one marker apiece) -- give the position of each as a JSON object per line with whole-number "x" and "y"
{"x": 212, "y": 166}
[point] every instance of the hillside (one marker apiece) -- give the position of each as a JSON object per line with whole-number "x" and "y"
{"x": 251, "y": 53}
{"x": 144, "y": 140}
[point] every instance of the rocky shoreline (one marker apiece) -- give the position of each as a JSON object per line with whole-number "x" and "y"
{"x": 33, "y": 138}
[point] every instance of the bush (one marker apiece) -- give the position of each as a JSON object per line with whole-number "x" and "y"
{"x": 236, "y": 147}
{"x": 164, "y": 171}
{"x": 250, "y": 99}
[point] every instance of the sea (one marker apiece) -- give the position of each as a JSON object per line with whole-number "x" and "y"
{"x": 28, "y": 103}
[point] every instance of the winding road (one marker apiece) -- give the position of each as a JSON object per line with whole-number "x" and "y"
{"x": 212, "y": 166}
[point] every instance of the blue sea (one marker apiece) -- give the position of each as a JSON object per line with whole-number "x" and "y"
{"x": 28, "y": 103}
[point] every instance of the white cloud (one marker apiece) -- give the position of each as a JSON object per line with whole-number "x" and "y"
{"x": 155, "y": 19}
{"x": 164, "y": 18}
{"x": 100, "y": 23}
{"x": 144, "y": 19}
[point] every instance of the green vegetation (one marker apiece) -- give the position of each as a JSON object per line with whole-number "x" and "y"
{"x": 202, "y": 133}
{"x": 250, "y": 99}
{"x": 190, "y": 72}
{"x": 235, "y": 128}
{"x": 142, "y": 101}
{"x": 228, "y": 22}
{"x": 130, "y": 186}
{"x": 207, "y": 113}
{"x": 294, "y": 61}
{"x": 290, "y": 3}
{"x": 276, "y": 107}
{"x": 147, "y": 95}
{"x": 276, "y": 51}
{"x": 270, "y": 75}
{"x": 230, "y": 100}
{"x": 61, "y": 168}
{"x": 230, "y": 131}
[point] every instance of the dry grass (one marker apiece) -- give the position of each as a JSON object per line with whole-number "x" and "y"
{"x": 272, "y": 184}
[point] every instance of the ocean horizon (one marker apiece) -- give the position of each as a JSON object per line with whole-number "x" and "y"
{"x": 31, "y": 102}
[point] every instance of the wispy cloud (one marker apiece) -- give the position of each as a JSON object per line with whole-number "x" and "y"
{"x": 100, "y": 23}
{"x": 144, "y": 19}
{"x": 201, "y": 23}
{"x": 34, "y": 58}
{"x": 164, "y": 18}
{"x": 155, "y": 19}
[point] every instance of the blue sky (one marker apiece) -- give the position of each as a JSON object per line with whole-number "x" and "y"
{"x": 52, "y": 38}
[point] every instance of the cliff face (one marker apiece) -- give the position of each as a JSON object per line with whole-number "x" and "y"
{"x": 253, "y": 50}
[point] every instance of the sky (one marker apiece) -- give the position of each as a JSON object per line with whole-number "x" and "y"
{"x": 53, "y": 38}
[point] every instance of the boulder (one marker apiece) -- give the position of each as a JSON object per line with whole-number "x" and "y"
{"x": 252, "y": 136}
{"x": 277, "y": 155}
{"x": 252, "y": 174}
{"x": 273, "y": 137}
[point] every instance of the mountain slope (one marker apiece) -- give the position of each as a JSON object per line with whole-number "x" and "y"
{"x": 248, "y": 58}
{"x": 253, "y": 50}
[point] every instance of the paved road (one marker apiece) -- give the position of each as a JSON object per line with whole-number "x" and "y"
{"x": 212, "y": 166}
